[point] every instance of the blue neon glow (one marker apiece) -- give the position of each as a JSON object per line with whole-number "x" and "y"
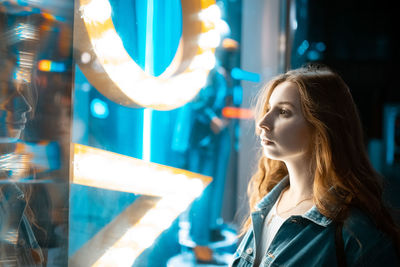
{"x": 57, "y": 67}
{"x": 240, "y": 74}
{"x": 390, "y": 118}
{"x": 237, "y": 95}
{"x": 320, "y": 46}
{"x": 149, "y": 29}
{"x": 23, "y": 2}
{"x": 146, "y": 153}
{"x": 313, "y": 55}
{"x": 99, "y": 108}
{"x": 303, "y": 47}
{"x": 149, "y": 60}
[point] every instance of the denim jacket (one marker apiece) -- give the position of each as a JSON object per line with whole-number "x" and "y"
{"x": 309, "y": 239}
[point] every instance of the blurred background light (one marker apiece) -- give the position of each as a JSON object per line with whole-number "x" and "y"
{"x": 240, "y": 74}
{"x": 51, "y": 66}
{"x": 85, "y": 57}
{"x": 99, "y": 109}
{"x": 204, "y": 61}
{"x": 237, "y": 113}
{"x": 230, "y": 44}
{"x": 96, "y": 11}
{"x": 320, "y": 46}
{"x": 210, "y": 39}
{"x": 313, "y": 55}
{"x": 211, "y": 14}
{"x": 303, "y": 47}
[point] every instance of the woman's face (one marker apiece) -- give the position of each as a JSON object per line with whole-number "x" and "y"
{"x": 13, "y": 107}
{"x": 285, "y": 133}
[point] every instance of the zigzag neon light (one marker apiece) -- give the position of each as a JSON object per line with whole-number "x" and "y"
{"x": 172, "y": 191}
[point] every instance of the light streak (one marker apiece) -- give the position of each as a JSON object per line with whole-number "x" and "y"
{"x": 125, "y": 82}
{"x": 175, "y": 188}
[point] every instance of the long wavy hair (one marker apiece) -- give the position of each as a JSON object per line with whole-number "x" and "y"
{"x": 343, "y": 174}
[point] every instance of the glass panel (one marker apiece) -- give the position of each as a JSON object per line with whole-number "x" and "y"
{"x": 35, "y": 108}
{"x": 155, "y": 130}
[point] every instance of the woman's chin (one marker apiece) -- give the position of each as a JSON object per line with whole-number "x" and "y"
{"x": 12, "y": 137}
{"x": 270, "y": 155}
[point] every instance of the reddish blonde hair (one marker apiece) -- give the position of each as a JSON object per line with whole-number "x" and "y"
{"x": 343, "y": 174}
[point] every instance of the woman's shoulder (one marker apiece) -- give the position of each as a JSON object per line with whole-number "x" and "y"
{"x": 359, "y": 224}
{"x": 365, "y": 242}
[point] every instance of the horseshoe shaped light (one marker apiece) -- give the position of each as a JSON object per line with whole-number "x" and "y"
{"x": 117, "y": 76}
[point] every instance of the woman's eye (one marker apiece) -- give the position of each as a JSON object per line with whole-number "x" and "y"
{"x": 284, "y": 112}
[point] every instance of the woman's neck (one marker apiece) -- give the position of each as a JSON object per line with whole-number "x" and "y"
{"x": 301, "y": 179}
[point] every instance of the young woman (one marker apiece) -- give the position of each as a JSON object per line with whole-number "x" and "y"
{"x": 315, "y": 199}
{"x": 18, "y": 243}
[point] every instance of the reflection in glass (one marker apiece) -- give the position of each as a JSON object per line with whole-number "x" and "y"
{"x": 18, "y": 245}
{"x": 33, "y": 161}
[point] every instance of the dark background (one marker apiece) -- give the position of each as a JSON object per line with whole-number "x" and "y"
{"x": 360, "y": 41}
{"x": 361, "y": 44}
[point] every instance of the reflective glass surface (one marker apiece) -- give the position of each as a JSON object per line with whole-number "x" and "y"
{"x": 126, "y": 130}
{"x": 35, "y": 110}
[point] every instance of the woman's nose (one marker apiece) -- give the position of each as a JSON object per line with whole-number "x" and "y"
{"x": 265, "y": 123}
{"x": 18, "y": 104}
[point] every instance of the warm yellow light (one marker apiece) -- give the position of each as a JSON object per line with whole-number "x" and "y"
{"x": 177, "y": 189}
{"x": 210, "y": 39}
{"x": 211, "y": 14}
{"x": 44, "y": 65}
{"x": 205, "y": 61}
{"x": 99, "y": 168}
{"x": 110, "y": 45}
{"x": 142, "y": 235}
{"x": 166, "y": 91}
{"x": 96, "y": 11}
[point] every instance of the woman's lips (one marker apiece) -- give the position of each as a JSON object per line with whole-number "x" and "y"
{"x": 266, "y": 142}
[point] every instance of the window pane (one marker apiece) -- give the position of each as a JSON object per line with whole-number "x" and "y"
{"x": 35, "y": 108}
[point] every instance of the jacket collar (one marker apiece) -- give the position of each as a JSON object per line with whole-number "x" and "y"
{"x": 269, "y": 200}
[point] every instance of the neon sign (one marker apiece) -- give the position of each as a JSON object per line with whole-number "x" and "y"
{"x": 166, "y": 193}
{"x": 117, "y": 75}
